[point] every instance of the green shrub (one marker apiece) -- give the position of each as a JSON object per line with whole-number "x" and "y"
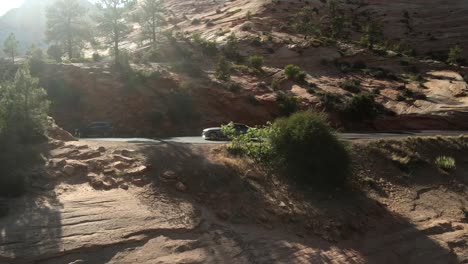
{"x": 294, "y": 72}
{"x": 253, "y": 100}
{"x": 454, "y": 55}
{"x": 246, "y": 27}
{"x": 309, "y": 150}
{"x": 275, "y": 85}
{"x": 233, "y": 87}
{"x": 361, "y": 108}
{"x": 445, "y": 163}
{"x": 256, "y": 62}
{"x": 231, "y": 49}
{"x": 302, "y": 147}
{"x": 55, "y": 52}
{"x": 223, "y": 70}
{"x": 287, "y": 104}
{"x": 353, "y": 86}
{"x": 291, "y": 71}
{"x": 330, "y": 100}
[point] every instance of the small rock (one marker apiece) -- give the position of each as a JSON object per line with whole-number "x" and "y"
{"x": 56, "y": 143}
{"x": 101, "y": 149}
{"x": 69, "y": 170}
{"x": 119, "y": 165}
{"x": 137, "y": 171}
{"x": 106, "y": 185}
{"x": 262, "y": 85}
{"x": 88, "y": 154}
{"x": 122, "y": 158}
{"x": 96, "y": 183}
{"x": 169, "y": 176}
{"x": 181, "y": 187}
{"x": 82, "y": 147}
{"x": 138, "y": 182}
{"x": 110, "y": 171}
{"x": 282, "y": 205}
{"x": 124, "y": 186}
{"x": 127, "y": 152}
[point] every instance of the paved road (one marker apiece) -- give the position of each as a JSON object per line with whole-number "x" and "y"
{"x": 347, "y": 136}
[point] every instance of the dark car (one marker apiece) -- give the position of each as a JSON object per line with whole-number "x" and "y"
{"x": 215, "y": 133}
{"x": 96, "y": 129}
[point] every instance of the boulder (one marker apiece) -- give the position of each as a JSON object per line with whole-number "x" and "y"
{"x": 57, "y": 133}
{"x": 88, "y": 154}
{"x": 78, "y": 165}
{"x": 57, "y": 163}
{"x": 109, "y": 183}
{"x": 101, "y": 149}
{"x": 169, "y": 176}
{"x": 119, "y": 165}
{"x": 127, "y": 152}
{"x": 122, "y": 158}
{"x": 137, "y": 171}
{"x": 181, "y": 187}
{"x": 124, "y": 186}
{"x": 138, "y": 182}
{"x": 95, "y": 180}
{"x": 69, "y": 170}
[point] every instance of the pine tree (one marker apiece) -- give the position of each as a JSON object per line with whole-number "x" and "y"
{"x": 112, "y": 22}
{"x": 66, "y": 25}
{"x": 10, "y": 46}
{"x": 151, "y": 17}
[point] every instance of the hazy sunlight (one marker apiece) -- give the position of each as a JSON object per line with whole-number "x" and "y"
{"x": 9, "y": 4}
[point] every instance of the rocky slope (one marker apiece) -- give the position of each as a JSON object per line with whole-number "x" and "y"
{"x": 124, "y": 203}
{"x": 414, "y": 91}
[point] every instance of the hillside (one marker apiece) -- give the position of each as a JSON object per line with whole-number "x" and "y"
{"x": 28, "y": 23}
{"x": 407, "y": 76}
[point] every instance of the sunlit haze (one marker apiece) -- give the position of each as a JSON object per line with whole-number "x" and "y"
{"x": 9, "y": 4}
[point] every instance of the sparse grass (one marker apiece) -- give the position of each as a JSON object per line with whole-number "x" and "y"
{"x": 353, "y": 86}
{"x": 445, "y": 163}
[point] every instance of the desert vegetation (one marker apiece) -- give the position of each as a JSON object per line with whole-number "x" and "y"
{"x": 23, "y": 119}
{"x": 302, "y": 146}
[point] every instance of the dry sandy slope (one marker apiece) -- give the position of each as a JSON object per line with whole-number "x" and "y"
{"x": 231, "y": 213}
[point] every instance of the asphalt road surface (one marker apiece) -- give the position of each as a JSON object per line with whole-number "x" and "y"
{"x": 347, "y": 136}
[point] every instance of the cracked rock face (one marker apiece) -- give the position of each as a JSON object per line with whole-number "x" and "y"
{"x": 86, "y": 220}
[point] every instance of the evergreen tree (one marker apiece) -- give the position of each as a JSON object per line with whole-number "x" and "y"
{"x": 151, "y": 17}
{"x": 10, "y": 47}
{"x": 372, "y": 34}
{"x": 66, "y": 25}
{"x": 112, "y": 22}
{"x": 23, "y": 114}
